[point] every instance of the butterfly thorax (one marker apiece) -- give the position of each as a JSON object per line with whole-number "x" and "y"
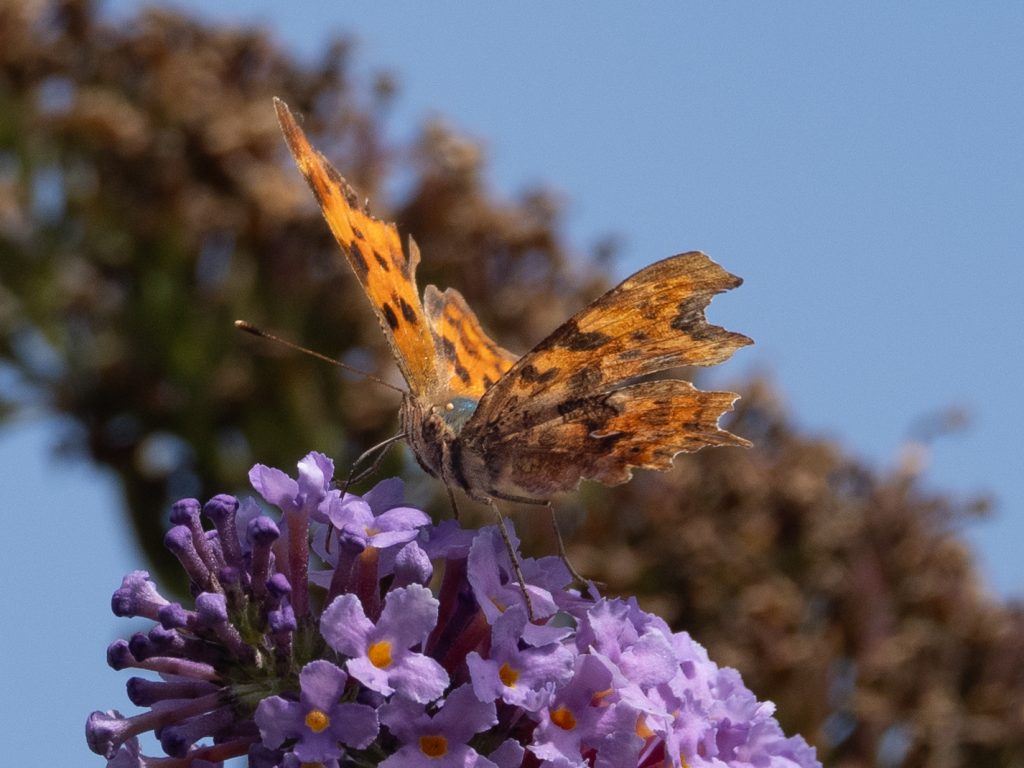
{"x": 433, "y": 431}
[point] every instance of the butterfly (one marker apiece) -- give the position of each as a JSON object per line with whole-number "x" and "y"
{"x": 577, "y": 406}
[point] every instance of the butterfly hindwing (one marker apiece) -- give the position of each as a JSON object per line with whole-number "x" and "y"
{"x": 572, "y": 395}
{"x": 473, "y": 361}
{"x": 603, "y": 436}
{"x": 374, "y": 251}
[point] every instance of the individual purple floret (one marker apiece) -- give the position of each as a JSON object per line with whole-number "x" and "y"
{"x": 439, "y": 740}
{"x": 380, "y": 655}
{"x": 521, "y": 676}
{"x": 381, "y": 525}
{"x": 352, "y": 659}
{"x": 318, "y": 723}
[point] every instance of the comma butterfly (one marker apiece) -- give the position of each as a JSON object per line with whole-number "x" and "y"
{"x": 500, "y": 426}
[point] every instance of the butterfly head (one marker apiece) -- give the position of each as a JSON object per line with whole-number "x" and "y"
{"x": 432, "y": 429}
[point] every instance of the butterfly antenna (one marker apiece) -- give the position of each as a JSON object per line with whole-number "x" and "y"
{"x": 248, "y": 327}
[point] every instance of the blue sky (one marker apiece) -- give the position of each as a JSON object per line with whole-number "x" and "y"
{"x": 860, "y": 165}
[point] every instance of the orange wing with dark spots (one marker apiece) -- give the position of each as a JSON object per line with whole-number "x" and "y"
{"x": 374, "y": 251}
{"x": 570, "y": 408}
{"x": 574, "y": 407}
{"x": 603, "y": 437}
{"x": 473, "y": 362}
{"x": 650, "y": 322}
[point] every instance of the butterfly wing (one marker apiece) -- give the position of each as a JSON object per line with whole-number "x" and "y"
{"x": 569, "y": 409}
{"x": 374, "y": 251}
{"x": 472, "y": 361}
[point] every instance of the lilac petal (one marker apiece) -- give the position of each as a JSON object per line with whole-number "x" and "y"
{"x": 391, "y": 538}
{"x": 508, "y": 628}
{"x": 591, "y": 675}
{"x": 410, "y": 756}
{"x": 374, "y": 678}
{"x": 488, "y": 562}
{"x": 385, "y": 495}
{"x": 695, "y": 664}
{"x": 355, "y": 724}
{"x": 538, "y": 674}
{"x": 345, "y": 627}
{"x": 278, "y": 719}
{"x": 409, "y": 614}
{"x": 419, "y": 677}
{"x": 650, "y": 661}
{"x": 559, "y": 754}
{"x": 509, "y": 755}
{"x": 350, "y": 511}
{"x": 405, "y": 718}
{"x": 449, "y": 540}
{"x": 412, "y": 566}
{"x": 622, "y": 744}
{"x": 463, "y": 715}
{"x": 315, "y": 473}
{"x": 467, "y": 756}
{"x": 274, "y": 486}
{"x": 401, "y": 518}
{"x": 485, "y": 677}
{"x": 322, "y": 684}
{"x": 313, "y": 748}
{"x": 539, "y": 635}
{"x": 552, "y": 664}
{"x": 483, "y": 571}
{"x": 550, "y": 572}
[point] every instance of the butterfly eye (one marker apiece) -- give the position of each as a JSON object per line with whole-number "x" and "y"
{"x": 449, "y": 406}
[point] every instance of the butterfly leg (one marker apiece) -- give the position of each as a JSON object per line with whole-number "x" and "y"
{"x": 382, "y": 448}
{"x": 561, "y": 546}
{"x": 514, "y": 556}
{"x": 451, "y": 499}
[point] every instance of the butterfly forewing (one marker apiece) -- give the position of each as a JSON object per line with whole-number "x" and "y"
{"x": 374, "y": 251}
{"x": 651, "y": 322}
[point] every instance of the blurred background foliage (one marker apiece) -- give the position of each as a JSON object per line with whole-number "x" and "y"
{"x": 146, "y": 201}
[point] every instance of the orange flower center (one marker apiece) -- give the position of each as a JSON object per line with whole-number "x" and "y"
{"x": 434, "y": 746}
{"x": 641, "y": 728}
{"x": 380, "y": 654}
{"x": 563, "y": 718}
{"x": 317, "y": 720}
{"x": 600, "y": 696}
{"x": 508, "y": 675}
{"x": 499, "y": 605}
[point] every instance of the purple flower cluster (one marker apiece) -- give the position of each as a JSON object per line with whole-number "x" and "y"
{"x": 299, "y": 650}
